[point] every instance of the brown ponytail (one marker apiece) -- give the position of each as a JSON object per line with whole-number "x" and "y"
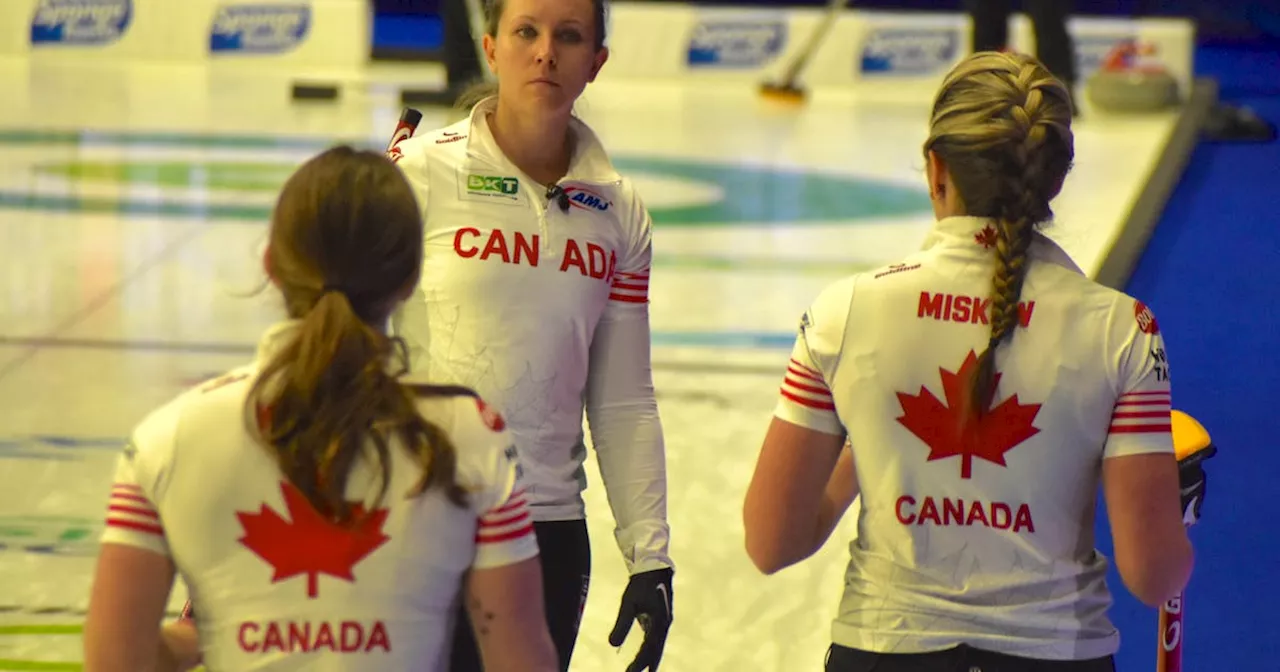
{"x": 346, "y": 243}
{"x": 1002, "y": 125}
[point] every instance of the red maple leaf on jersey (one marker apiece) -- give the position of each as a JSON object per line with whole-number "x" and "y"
{"x": 310, "y": 544}
{"x": 986, "y": 237}
{"x": 939, "y": 426}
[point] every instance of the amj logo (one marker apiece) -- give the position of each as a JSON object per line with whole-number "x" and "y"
{"x": 83, "y": 22}
{"x": 488, "y": 184}
{"x": 262, "y": 29}
{"x": 740, "y": 44}
{"x": 586, "y": 199}
{"x": 910, "y": 51}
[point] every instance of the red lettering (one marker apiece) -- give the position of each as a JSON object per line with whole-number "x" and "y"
{"x": 976, "y": 512}
{"x": 497, "y": 245}
{"x": 905, "y": 519}
{"x": 613, "y": 266}
{"x": 352, "y": 635}
{"x": 1024, "y": 312}
{"x": 573, "y": 257}
{"x": 984, "y": 308}
{"x": 965, "y": 309}
{"x": 998, "y": 515}
{"x": 244, "y": 643}
{"x": 930, "y": 306}
{"x": 1023, "y": 520}
{"x": 297, "y": 637}
{"x": 378, "y": 638}
{"x": 598, "y": 268}
{"x": 274, "y": 640}
{"x": 953, "y": 512}
{"x": 998, "y": 508}
{"x": 300, "y": 637}
{"x": 457, "y": 242}
{"x": 527, "y": 249}
{"x": 929, "y": 511}
{"x": 324, "y": 638}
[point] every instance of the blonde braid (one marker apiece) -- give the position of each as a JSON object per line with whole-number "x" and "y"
{"x": 1002, "y": 125}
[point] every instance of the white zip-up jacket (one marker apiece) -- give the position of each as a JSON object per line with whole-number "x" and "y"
{"x": 536, "y": 296}
{"x": 983, "y": 537}
{"x": 277, "y": 586}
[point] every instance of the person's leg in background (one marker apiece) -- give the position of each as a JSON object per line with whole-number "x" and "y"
{"x": 566, "y": 577}
{"x": 1054, "y": 46}
{"x": 565, "y": 555}
{"x": 461, "y": 63}
{"x": 990, "y": 24}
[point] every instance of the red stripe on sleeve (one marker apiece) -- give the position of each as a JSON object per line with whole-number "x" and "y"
{"x": 140, "y": 527}
{"x": 505, "y": 536}
{"x": 811, "y": 403}
{"x": 500, "y": 521}
{"x": 1141, "y": 429}
{"x": 822, "y": 391}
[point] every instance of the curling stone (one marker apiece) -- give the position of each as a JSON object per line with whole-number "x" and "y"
{"x": 1132, "y": 90}
{"x": 1126, "y": 84}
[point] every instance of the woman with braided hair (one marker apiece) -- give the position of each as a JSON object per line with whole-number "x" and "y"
{"x": 976, "y": 396}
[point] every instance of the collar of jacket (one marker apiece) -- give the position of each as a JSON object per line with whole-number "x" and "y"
{"x": 589, "y": 164}
{"x": 967, "y": 233}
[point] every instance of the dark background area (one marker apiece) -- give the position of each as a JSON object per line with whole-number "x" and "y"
{"x": 409, "y": 29}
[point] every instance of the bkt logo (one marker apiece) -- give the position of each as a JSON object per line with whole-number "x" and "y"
{"x": 261, "y": 29}
{"x": 910, "y": 51}
{"x": 80, "y": 21}
{"x": 507, "y": 186}
{"x": 587, "y": 200}
{"x": 741, "y": 44}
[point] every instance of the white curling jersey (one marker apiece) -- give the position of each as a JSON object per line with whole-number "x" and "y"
{"x": 539, "y": 302}
{"x": 274, "y": 585}
{"x": 985, "y": 537}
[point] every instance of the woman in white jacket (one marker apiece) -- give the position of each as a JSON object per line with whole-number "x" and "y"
{"x": 324, "y": 511}
{"x": 534, "y": 292}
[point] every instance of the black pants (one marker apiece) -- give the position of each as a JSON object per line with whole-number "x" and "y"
{"x": 566, "y": 571}
{"x": 960, "y": 659}
{"x": 1054, "y": 46}
{"x": 461, "y": 64}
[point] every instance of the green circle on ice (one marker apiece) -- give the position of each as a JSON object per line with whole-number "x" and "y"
{"x": 208, "y": 176}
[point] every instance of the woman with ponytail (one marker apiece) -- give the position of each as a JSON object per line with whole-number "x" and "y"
{"x": 324, "y": 511}
{"x": 977, "y": 396}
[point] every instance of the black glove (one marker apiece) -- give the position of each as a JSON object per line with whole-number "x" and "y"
{"x": 648, "y": 599}
{"x": 1191, "y": 480}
